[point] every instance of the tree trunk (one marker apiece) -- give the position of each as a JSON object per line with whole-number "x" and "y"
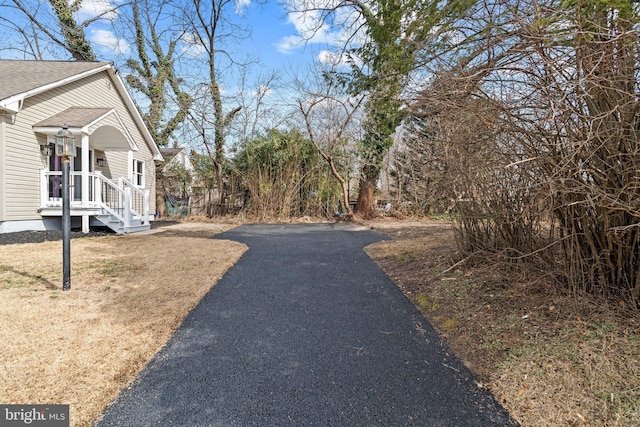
{"x": 161, "y": 207}
{"x": 343, "y": 184}
{"x": 364, "y": 206}
{"x": 219, "y": 182}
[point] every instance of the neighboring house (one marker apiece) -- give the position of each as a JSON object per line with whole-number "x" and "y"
{"x": 175, "y": 177}
{"x": 176, "y": 157}
{"x": 113, "y": 174}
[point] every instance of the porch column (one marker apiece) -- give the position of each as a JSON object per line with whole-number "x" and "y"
{"x": 85, "y": 181}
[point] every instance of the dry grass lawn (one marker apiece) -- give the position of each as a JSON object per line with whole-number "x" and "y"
{"x": 128, "y": 294}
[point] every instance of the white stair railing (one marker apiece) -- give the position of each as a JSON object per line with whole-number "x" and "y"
{"x": 138, "y": 200}
{"x": 122, "y": 199}
{"x": 112, "y": 199}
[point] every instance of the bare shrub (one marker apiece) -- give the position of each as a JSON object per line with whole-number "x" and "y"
{"x": 540, "y": 109}
{"x": 477, "y": 171}
{"x": 578, "y": 122}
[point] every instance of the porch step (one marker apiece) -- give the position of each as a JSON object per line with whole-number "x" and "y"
{"x": 118, "y": 226}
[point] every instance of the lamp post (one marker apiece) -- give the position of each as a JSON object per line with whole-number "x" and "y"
{"x": 65, "y": 148}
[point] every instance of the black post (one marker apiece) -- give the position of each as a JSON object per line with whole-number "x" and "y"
{"x": 66, "y": 227}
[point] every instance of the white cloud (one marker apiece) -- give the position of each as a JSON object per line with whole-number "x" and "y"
{"x": 190, "y": 45}
{"x": 332, "y": 58}
{"x": 262, "y": 92}
{"x": 308, "y": 24}
{"x": 242, "y": 4}
{"x": 91, "y": 8}
{"x": 310, "y": 28}
{"x": 289, "y": 43}
{"x": 108, "y": 41}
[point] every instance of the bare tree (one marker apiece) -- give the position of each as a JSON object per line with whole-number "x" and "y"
{"x": 590, "y": 141}
{"x": 209, "y": 30}
{"x": 560, "y": 80}
{"x": 54, "y": 23}
{"x": 74, "y": 37}
{"x": 154, "y": 72}
{"x": 29, "y": 43}
{"x": 330, "y": 116}
{"x": 259, "y": 110}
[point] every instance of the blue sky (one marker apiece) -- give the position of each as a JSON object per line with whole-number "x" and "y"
{"x": 275, "y": 38}
{"x": 272, "y": 29}
{"x": 276, "y": 41}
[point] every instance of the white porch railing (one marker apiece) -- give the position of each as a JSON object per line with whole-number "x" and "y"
{"x": 123, "y": 200}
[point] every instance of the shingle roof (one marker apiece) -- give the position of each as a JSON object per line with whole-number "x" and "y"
{"x": 170, "y": 153}
{"x": 21, "y": 76}
{"x": 74, "y": 117}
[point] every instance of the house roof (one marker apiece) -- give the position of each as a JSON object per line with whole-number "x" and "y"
{"x": 18, "y": 77}
{"x": 22, "y": 79}
{"x": 170, "y": 153}
{"x": 74, "y": 117}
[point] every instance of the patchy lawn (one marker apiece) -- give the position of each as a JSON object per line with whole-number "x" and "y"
{"x": 550, "y": 359}
{"x": 128, "y": 295}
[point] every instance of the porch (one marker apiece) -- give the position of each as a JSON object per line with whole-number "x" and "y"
{"x": 119, "y": 205}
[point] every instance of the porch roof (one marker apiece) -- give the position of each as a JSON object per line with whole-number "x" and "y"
{"x": 74, "y": 117}
{"x": 103, "y": 124}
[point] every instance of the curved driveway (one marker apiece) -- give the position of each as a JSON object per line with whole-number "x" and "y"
{"x": 305, "y": 330}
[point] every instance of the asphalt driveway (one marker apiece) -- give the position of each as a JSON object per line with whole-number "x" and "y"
{"x": 305, "y": 330}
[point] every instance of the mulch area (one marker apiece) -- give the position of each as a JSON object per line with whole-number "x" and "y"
{"x": 44, "y": 236}
{"x": 53, "y": 235}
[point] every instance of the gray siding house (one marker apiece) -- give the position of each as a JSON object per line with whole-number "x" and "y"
{"x": 112, "y": 179}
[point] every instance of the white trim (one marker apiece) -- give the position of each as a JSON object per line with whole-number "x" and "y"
{"x": 130, "y": 167}
{"x": 14, "y": 103}
{"x": 127, "y": 134}
{"x": 51, "y": 131}
{"x": 84, "y": 179}
{"x": 85, "y": 129}
{"x": 134, "y": 173}
{"x": 125, "y": 131}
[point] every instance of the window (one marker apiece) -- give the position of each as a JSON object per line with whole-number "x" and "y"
{"x": 138, "y": 173}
